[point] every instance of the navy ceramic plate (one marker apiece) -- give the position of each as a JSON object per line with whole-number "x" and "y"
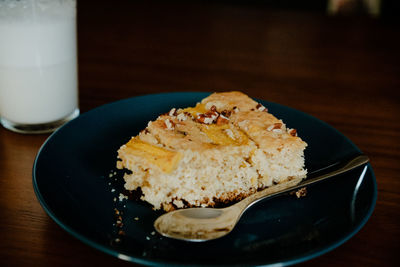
{"x": 75, "y": 182}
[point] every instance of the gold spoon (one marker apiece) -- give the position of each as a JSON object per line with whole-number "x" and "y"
{"x": 202, "y": 224}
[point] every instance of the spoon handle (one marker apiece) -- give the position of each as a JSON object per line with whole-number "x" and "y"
{"x": 294, "y": 184}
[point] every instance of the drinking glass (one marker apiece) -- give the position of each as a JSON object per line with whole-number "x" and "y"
{"x": 38, "y": 64}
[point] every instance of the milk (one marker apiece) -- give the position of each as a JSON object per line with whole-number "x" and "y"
{"x": 38, "y": 60}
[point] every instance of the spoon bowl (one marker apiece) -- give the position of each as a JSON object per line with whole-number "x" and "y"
{"x": 202, "y": 224}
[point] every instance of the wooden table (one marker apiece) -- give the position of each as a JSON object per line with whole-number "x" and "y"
{"x": 343, "y": 70}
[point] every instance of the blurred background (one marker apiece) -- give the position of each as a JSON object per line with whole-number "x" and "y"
{"x": 376, "y": 8}
{"x": 291, "y": 49}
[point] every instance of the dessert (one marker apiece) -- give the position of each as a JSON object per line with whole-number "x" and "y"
{"x": 225, "y": 148}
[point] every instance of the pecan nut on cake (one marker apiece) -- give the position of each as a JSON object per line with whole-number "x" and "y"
{"x": 225, "y": 148}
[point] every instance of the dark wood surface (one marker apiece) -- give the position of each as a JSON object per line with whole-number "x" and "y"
{"x": 343, "y": 70}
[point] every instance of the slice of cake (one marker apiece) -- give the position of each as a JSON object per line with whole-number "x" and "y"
{"x": 225, "y": 148}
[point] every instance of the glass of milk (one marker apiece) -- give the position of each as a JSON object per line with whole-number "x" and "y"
{"x": 38, "y": 64}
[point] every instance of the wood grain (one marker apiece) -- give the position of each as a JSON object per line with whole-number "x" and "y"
{"x": 343, "y": 70}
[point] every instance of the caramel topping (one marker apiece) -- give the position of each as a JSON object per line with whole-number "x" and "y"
{"x": 164, "y": 159}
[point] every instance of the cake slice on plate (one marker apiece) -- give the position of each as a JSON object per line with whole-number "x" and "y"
{"x": 225, "y": 148}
